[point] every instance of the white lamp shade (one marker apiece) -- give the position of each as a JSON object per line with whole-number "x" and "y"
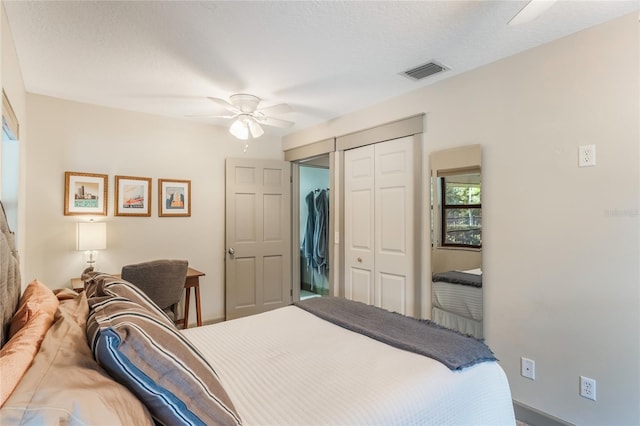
{"x": 91, "y": 236}
{"x": 239, "y": 129}
{"x": 245, "y": 125}
{"x": 256, "y": 129}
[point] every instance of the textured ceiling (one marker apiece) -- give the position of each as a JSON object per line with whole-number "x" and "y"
{"x": 324, "y": 58}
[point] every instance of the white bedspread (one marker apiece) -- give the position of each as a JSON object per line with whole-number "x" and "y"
{"x": 288, "y": 367}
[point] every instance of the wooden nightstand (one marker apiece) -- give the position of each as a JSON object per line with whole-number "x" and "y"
{"x": 77, "y": 284}
{"x": 193, "y": 281}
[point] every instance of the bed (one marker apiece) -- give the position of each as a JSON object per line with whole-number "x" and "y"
{"x": 457, "y": 301}
{"x": 108, "y": 355}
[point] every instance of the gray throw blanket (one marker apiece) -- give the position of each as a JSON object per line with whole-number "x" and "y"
{"x": 453, "y": 349}
{"x": 457, "y": 277}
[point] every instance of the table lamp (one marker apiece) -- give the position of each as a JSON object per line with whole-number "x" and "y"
{"x": 91, "y": 236}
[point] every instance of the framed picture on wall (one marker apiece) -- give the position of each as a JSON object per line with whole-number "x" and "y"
{"x": 174, "y": 197}
{"x": 133, "y": 196}
{"x": 85, "y": 194}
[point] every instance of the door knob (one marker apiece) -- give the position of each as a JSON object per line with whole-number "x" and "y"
{"x": 359, "y": 260}
{"x": 231, "y": 251}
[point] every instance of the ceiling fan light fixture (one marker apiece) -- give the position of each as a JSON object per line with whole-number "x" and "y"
{"x": 248, "y": 120}
{"x": 244, "y": 126}
{"x": 255, "y": 128}
{"x": 239, "y": 129}
{"x": 245, "y": 102}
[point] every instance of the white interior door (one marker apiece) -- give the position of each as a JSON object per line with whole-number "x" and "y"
{"x": 258, "y": 236}
{"x": 359, "y": 224}
{"x": 380, "y": 230}
{"x": 395, "y": 232}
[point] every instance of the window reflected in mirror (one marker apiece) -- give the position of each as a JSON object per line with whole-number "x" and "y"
{"x": 461, "y": 214}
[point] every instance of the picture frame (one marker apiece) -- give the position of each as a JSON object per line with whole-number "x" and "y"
{"x": 85, "y": 194}
{"x": 132, "y": 196}
{"x": 174, "y": 198}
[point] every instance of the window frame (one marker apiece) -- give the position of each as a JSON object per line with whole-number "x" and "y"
{"x": 444, "y": 207}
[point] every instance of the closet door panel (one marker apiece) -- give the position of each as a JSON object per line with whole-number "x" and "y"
{"x": 360, "y": 289}
{"x": 392, "y": 218}
{"x": 359, "y": 224}
{"x": 394, "y": 226}
{"x": 360, "y": 221}
{"x": 392, "y": 290}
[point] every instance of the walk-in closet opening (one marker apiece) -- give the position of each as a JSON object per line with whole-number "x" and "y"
{"x": 314, "y": 196}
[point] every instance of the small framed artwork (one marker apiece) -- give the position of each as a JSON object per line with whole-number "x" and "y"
{"x": 174, "y": 197}
{"x": 133, "y": 196}
{"x": 85, "y": 193}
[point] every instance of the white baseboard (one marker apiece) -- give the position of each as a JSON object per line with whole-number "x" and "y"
{"x": 534, "y": 417}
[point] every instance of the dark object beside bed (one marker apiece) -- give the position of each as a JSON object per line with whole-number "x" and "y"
{"x": 162, "y": 280}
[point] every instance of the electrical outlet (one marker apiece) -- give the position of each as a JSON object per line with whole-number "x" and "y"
{"x": 587, "y": 156}
{"x": 587, "y": 388}
{"x": 528, "y": 368}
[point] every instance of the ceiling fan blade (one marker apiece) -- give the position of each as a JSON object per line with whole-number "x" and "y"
{"x": 213, "y": 116}
{"x": 274, "y": 110}
{"x": 531, "y": 11}
{"x": 274, "y": 122}
{"x": 225, "y": 104}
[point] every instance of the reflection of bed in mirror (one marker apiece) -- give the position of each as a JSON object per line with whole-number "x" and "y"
{"x": 457, "y": 301}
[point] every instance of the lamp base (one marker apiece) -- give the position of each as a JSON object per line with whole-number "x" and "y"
{"x": 90, "y": 256}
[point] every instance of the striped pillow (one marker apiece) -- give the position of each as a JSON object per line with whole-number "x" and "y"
{"x": 157, "y": 363}
{"x": 98, "y": 284}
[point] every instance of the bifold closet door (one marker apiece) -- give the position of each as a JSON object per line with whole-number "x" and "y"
{"x": 359, "y": 224}
{"x": 380, "y": 226}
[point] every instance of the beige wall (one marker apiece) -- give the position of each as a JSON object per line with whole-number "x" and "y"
{"x": 560, "y": 243}
{"x": 71, "y": 136}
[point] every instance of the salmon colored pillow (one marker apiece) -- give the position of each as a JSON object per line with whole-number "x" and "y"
{"x": 33, "y": 318}
{"x": 36, "y": 297}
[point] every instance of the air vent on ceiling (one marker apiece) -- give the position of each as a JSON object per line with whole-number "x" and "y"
{"x": 425, "y": 70}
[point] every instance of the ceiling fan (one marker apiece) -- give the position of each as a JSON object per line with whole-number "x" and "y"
{"x": 249, "y": 118}
{"x": 531, "y": 11}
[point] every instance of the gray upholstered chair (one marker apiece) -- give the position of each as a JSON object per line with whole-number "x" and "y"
{"x": 161, "y": 280}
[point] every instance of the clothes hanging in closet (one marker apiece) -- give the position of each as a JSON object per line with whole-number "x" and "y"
{"x": 307, "y": 241}
{"x": 315, "y": 244}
